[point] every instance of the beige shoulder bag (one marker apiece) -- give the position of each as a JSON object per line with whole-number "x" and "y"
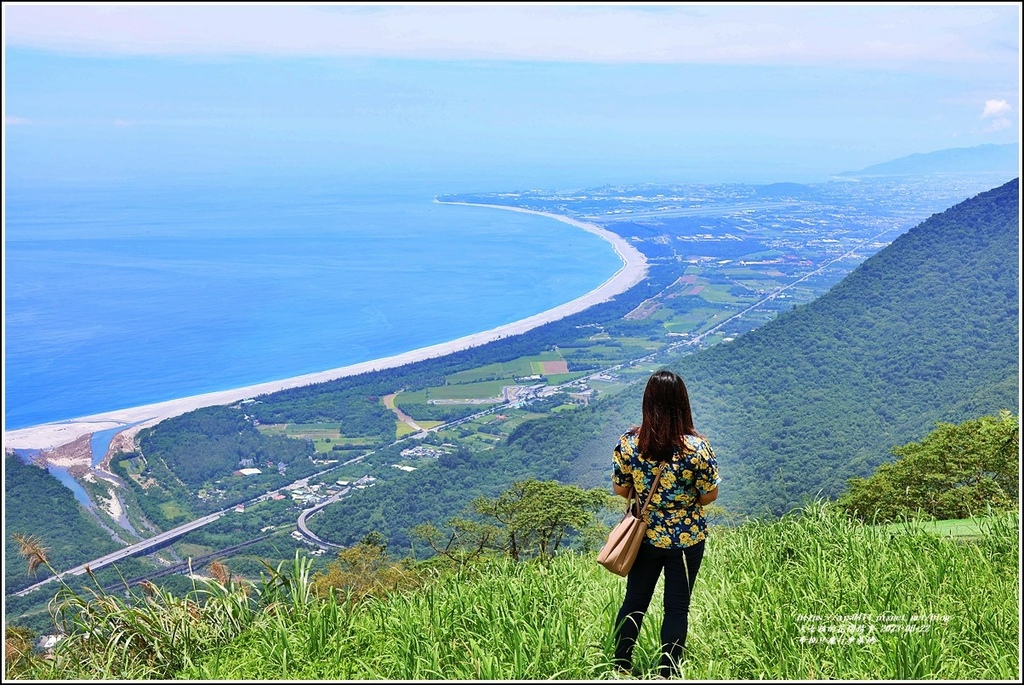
{"x": 619, "y": 553}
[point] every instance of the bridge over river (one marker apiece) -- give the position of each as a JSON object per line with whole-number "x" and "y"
{"x": 142, "y": 547}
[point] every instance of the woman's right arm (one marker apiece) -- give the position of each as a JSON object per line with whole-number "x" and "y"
{"x": 619, "y": 490}
{"x": 707, "y": 475}
{"x": 708, "y": 497}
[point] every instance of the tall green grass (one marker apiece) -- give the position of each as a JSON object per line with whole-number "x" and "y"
{"x": 494, "y": 621}
{"x": 900, "y": 602}
{"x": 813, "y": 595}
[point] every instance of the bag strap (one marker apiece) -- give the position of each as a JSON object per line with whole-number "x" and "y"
{"x": 654, "y": 488}
{"x": 650, "y": 494}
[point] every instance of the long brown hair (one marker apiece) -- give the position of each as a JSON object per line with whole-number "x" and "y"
{"x": 666, "y": 416}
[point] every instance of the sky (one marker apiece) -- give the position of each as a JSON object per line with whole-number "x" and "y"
{"x": 501, "y": 96}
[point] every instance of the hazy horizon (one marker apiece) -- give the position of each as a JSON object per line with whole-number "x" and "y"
{"x": 474, "y": 97}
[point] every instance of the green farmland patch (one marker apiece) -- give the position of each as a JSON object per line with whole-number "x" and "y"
{"x": 645, "y": 343}
{"x": 744, "y": 272}
{"x": 313, "y": 431}
{"x": 312, "y": 428}
{"x": 764, "y": 255}
{"x": 607, "y": 389}
{"x": 663, "y": 312}
{"x": 468, "y": 391}
{"x": 323, "y": 435}
{"x": 411, "y": 397}
{"x": 520, "y": 417}
{"x": 516, "y": 368}
{"x": 693, "y": 320}
{"x": 489, "y": 372}
{"x": 717, "y": 293}
{"x": 680, "y": 326}
{"x": 173, "y": 511}
{"x": 345, "y": 445}
{"x": 403, "y": 429}
{"x": 605, "y": 350}
{"x": 132, "y": 466}
{"x": 755, "y": 284}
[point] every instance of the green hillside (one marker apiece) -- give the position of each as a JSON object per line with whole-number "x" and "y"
{"x": 813, "y": 595}
{"x": 924, "y": 331}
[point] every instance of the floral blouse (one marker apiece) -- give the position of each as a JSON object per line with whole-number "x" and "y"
{"x": 675, "y": 517}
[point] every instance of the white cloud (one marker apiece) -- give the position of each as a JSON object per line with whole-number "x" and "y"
{"x": 998, "y": 125}
{"x": 670, "y": 33}
{"x": 996, "y": 112}
{"x": 995, "y": 108}
{"x": 16, "y": 121}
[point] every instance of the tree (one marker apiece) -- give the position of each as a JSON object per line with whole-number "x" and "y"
{"x": 537, "y": 516}
{"x": 532, "y": 519}
{"x": 466, "y": 539}
{"x": 364, "y": 569}
{"x": 956, "y": 471}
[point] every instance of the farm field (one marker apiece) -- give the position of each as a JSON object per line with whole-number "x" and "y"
{"x": 517, "y": 368}
{"x": 325, "y": 436}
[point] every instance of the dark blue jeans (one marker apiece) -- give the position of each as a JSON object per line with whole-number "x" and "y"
{"x": 643, "y": 577}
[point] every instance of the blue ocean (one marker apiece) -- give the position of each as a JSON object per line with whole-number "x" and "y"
{"x": 126, "y": 293}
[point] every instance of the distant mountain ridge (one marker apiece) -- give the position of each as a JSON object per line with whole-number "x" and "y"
{"x": 926, "y": 330}
{"x": 979, "y": 159}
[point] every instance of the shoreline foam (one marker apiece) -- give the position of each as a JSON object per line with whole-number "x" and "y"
{"x": 58, "y": 433}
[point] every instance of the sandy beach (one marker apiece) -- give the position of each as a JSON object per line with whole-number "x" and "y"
{"x": 53, "y": 435}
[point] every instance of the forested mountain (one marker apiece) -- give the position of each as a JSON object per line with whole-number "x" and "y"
{"x": 926, "y": 330}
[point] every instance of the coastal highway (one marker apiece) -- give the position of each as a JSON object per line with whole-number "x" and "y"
{"x": 306, "y": 513}
{"x": 160, "y": 539}
{"x": 130, "y": 550}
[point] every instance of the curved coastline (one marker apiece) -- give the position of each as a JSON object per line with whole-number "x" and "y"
{"x": 49, "y": 436}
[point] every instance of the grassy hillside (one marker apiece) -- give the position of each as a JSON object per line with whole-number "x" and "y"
{"x": 813, "y": 595}
{"x": 926, "y": 330}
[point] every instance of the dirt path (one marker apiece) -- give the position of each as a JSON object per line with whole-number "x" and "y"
{"x": 389, "y": 402}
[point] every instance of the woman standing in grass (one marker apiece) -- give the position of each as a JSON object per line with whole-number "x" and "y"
{"x": 677, "y": 527}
